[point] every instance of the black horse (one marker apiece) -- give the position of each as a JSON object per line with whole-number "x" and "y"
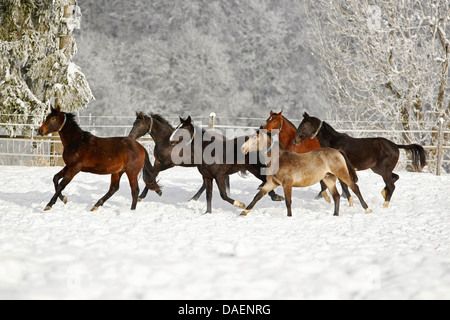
{"x": 224, "y": 165}
{"x": 160, "y": 130}
{"x": 378, "y": 154}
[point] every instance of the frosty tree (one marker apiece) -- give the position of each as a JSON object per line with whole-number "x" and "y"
{"x": 36, "y": 50}
{"x": 384, "y": 60}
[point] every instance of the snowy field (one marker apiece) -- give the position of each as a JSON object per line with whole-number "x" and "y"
{"x": 167, "y": 248}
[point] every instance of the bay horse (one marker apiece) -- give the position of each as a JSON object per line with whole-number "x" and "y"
{"x": 378, "y": 154}
{"x": 218, "y": 171}
{"x": 84, "y": 152}
{"x": 303, "y": 170}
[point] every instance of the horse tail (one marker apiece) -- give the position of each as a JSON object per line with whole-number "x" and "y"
{"x": 149, "y": 175}
{"x": 351, "y": 169}
{"x": 419, "y": 155}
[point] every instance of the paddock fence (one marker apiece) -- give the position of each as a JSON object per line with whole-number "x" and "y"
{"x": 34, "y": 150}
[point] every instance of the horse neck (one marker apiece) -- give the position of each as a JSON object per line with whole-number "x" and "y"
{"x": 287, "y": 133}
{"x": 161, "y": 132}
{"x": 70, "y": 133}
{"x": 327, "y": 136}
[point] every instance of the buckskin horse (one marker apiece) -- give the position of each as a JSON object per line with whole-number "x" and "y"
{"x": 287, "y": 131}
{"x": 378, "y": 154}
{"x": 84, "y": 152}
{"x": 302, "y": 170}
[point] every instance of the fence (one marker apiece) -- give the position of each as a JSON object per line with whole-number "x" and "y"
{"x": 44, "y": 151}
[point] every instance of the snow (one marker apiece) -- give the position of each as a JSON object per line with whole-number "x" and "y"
{"x": 167, "y": 248}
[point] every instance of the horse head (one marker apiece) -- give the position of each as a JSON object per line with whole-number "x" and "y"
{"x": 308, "y": 129}
{"x": 54, "y": 122}
{"x": 274, "y": 122}
{"x": 184, "y": 130}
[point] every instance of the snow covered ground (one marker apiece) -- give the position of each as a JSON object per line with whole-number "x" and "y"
{"x": 167, "y": 248}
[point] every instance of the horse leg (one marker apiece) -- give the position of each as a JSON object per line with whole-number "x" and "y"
{"x": 351, "y": 201}
{"x": 389, "y": 179}
{"x": 56, "y": 179}
{"x": 199, "y": 193}
{"x": 323, "y": 192}
{"x": 330, "y": 182}
{"x": 68, "y": 176}
{"x": 209, "y": 190}
{"x": 348, "y": 182}
{"x": 114, "y": 187}
{"x": 269, "y": 186}
{"x": 220, "y": 180}
{"x": 134, "y": 185}
{"x": 157, "y": 168}
{"x": 288, "y": 196}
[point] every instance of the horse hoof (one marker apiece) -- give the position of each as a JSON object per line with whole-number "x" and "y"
{"x": 245, "y": 213}
{"x": 326, "y": 197}
{"x": 159, "y": 193}
{"x": 64, "y": 200}
{"x": 386, "y": 204}
{"x": 239, "y": 204}
{"x": 94, "y": 208}
{"x": 140, "y": 199}
{"x": 47, "y": 208}
{"x": 277, "y": 198}
{"x": 351, "y": 202}
{"x": 369, "y": 211}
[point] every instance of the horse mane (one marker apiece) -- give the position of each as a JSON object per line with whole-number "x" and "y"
{"x": 161, "y": 119}
{"x": 289, "y": 121}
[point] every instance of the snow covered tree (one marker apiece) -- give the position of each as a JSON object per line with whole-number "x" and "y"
{"x": 36, "y": 51}
{"x": 385, "y": 61}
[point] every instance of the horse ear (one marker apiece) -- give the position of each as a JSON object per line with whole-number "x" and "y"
{"x": 306, "y": 115}
{"x": 189, "y": 120}
{"x": 271, "y": 113}
{"x": 181, "y": 119}
{"x": 281, "y": 113}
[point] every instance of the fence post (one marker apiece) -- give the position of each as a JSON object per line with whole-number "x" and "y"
{"x": 440, "y": 147}
{"x": 211, "y": 122}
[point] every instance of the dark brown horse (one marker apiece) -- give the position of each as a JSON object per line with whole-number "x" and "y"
{"x": 378, "y": 154}
{"x": 229, "y": 162}
{"x": 160, "y": 130}
{"x": 84, "y": 152}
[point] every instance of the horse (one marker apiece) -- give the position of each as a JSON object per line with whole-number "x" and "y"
{"x": 287, "y": 131}
{"x": 160, "y": 130}
{"x": 303, "y": 170}
{"x": 378, "y": 154}
{"x": 228, "y": 164}
{"x": 84, "y": 152}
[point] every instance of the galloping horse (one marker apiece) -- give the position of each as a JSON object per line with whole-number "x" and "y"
{"x": 302, "y": 170}
{"x": 218, "y": 171}
{"x": 378, "y": 154}
{"x": 160, "y": 130}
{"x": 84, "y": 152}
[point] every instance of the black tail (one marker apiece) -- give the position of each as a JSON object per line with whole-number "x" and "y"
{"x": 419, "y": 155}
{"x": 351, "y": 169}
{"x": 149, "y": 176}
